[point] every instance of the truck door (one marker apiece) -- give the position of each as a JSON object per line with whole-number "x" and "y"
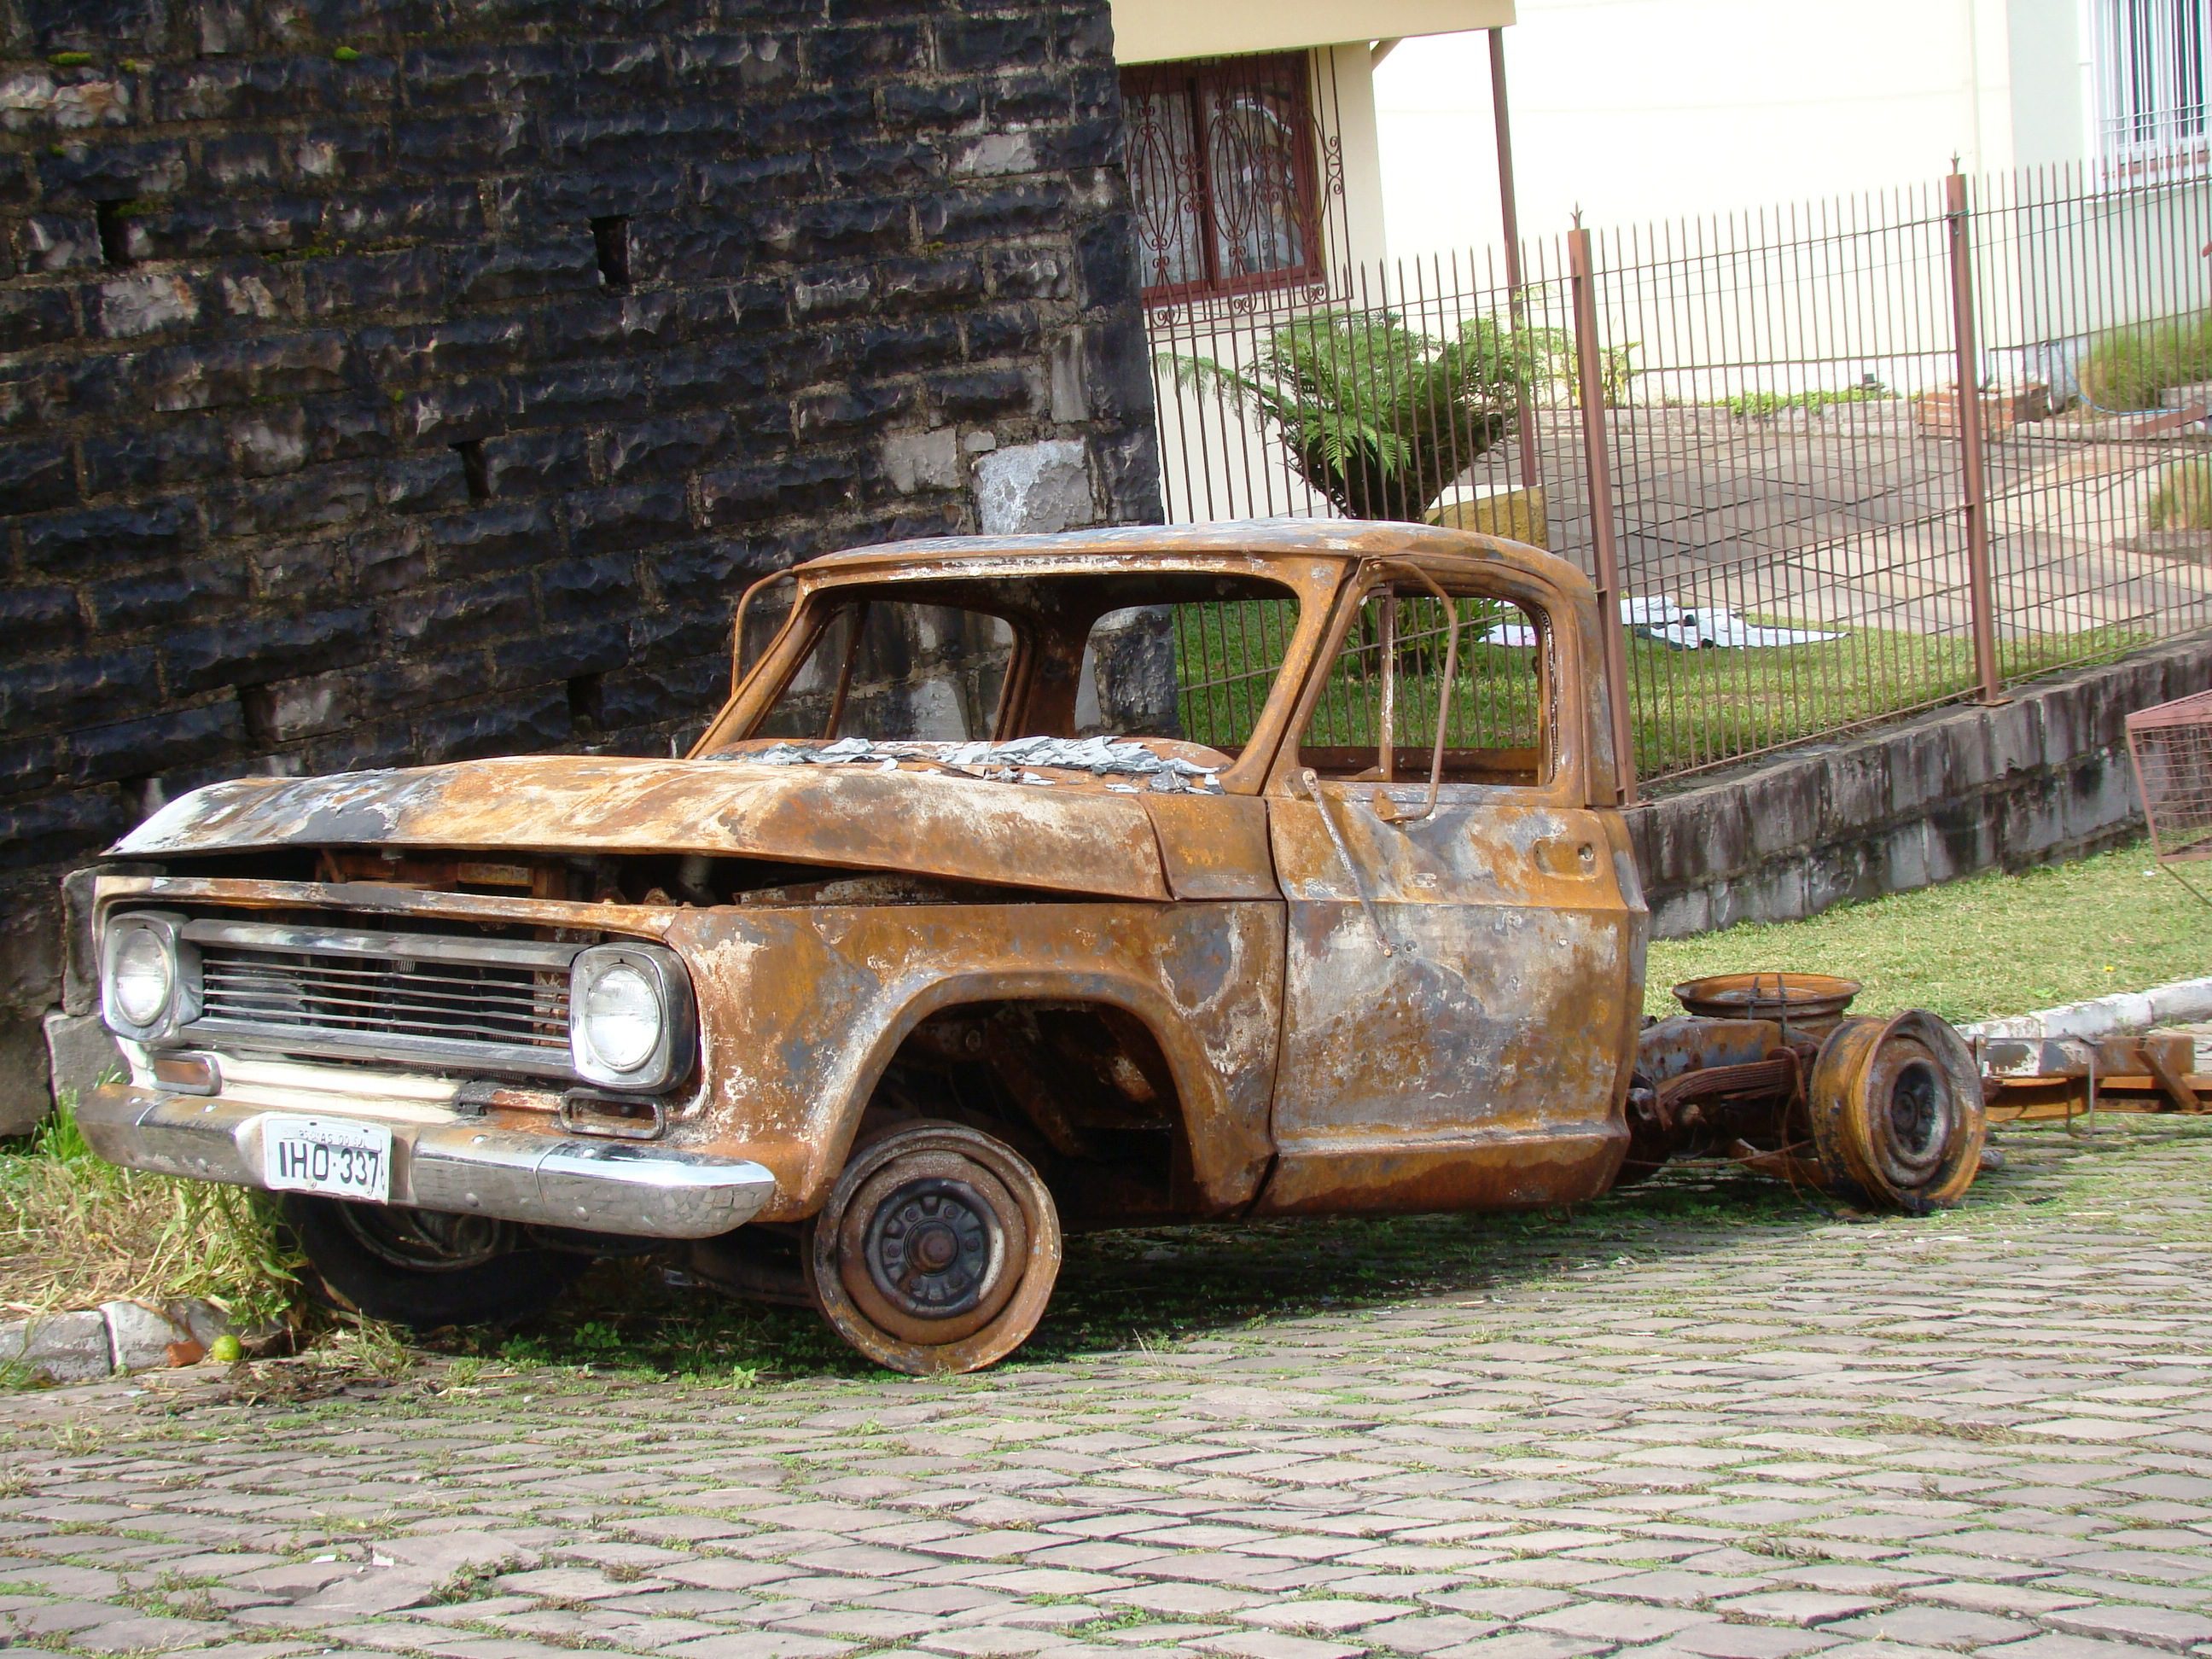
{"x": 1463, "y": 988}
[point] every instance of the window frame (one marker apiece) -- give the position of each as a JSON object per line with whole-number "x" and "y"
{"x": 1192, "y": 78}
{"x": 2117, "y": 57}
{"x": 1314, "y": 583}
{"x": 1563, "y": 762}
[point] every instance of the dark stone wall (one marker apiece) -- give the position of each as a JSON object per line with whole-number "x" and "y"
{"x": 385, "y": 381}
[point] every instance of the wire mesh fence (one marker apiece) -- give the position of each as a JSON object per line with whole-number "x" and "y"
{"x": 1809, "y": 528}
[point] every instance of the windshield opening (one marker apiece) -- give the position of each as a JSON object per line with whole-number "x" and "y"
{"x": 1182, "y": 661}
{"x": 892, "y": 670}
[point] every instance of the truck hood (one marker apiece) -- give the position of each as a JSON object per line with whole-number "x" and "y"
{"x": 1076, "y": 839}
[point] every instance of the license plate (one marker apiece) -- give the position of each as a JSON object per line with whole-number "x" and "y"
{"x": 322, "y": 1155}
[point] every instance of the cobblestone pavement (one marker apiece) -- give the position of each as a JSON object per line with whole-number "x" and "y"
{"x": 1688, "y": 1421}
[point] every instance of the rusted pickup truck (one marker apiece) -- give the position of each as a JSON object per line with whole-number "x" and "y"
{"x": 1248, "y": 870}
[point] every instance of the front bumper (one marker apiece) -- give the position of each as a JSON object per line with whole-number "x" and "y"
{"x": 454, "y": 1164}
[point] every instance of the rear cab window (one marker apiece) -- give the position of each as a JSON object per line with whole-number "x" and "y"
{"x": 1385, "y": 688}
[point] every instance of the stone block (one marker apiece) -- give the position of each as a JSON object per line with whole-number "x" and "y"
{"x": 1857, "y": 791}
{"x": 1034, "y": 488}
{"x": 158, "y": 743}
{"x": 1783, "y": 806}
{"x": 34, "y": 474}
{"x": 285, "y": 711}
{"x": 26, "y": 1089}
{"x": 144, "y": 1336}
{"x": 916, "y": 461}
{"x": 1906, "y": 860}
{"x": 66, "y": 1348}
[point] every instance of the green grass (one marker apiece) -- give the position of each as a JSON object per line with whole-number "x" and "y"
{"x": 76, "y": 1230}
{"x": 2132, "y": 368}
{"x": 2184, "y": 498}
{"x": 1688, "y": 708}
{"x": 1988, "y": 946}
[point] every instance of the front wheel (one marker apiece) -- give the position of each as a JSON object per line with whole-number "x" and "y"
{"x": 423, "y": 1268}
{"x": 936, "y": 1251}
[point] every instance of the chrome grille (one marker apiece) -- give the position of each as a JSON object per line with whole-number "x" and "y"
{"x": 417, "y": 999}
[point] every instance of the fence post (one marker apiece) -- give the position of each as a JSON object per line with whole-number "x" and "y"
{"x": 1973, "y": 477}
{"x": 1517, "y": 303}
{"x": 1598, "y": 471}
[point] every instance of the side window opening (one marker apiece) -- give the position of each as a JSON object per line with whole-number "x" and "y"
{"x": 1379, "y": 705}
{"x": 1201, "y": 671}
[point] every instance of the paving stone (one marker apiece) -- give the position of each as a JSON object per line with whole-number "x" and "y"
{"x": 1799, "y": 1607}
{"x": 1274, "y": 1644}
{"x": 1425, "y": 1634}
{"x": 1321, "y": 1614}
{"x": 2157, "y": 1627}
{"x": 1743, "y": 1642}
{"x": 1614, "y": 1621}
{"x": 1927, "y": 1626}
{"x": 1715, "y": 1452}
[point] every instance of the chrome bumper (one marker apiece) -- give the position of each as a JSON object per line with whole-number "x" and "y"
{"x": 459, "y": 1165}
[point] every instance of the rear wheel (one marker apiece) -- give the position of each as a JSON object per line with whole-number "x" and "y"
{"x": 424, "y": 1268}
{"x": 936, "y": 1251}
{"x": 1897, "y": 1114}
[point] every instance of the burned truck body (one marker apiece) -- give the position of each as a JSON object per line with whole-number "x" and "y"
{"x": 885, "y": 985}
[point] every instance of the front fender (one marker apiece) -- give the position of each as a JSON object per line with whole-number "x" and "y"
{"x": 802, "y": 1009}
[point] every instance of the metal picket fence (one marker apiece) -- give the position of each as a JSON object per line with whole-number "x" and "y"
{"x": 1748, "y": 430}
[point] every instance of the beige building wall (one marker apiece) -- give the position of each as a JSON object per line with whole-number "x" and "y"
{"x": 1643, "y": 110}
{"x": 1148, "y": 31}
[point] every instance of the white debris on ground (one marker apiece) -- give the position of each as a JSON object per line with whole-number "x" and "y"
{"x": 1007, "y": 762}
{"x": 1707, "y": 628}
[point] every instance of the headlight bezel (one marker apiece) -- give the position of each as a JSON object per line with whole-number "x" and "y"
{"x": 182, "y": 1004}
{"x": 670, "y": 1059}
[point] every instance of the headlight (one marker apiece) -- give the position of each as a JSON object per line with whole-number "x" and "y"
{"x": 630, "y": 1016}
{"x": 143, "y": 975}
{"x": 149, "y": 979}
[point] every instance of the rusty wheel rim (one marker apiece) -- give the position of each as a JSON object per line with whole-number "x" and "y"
{"x": 934, "y": 1191}
{"x": 933, "y": 1247}
{"x": 936, "y": 1251}
{"x": 1897, "y": 1113}
{"x": 1911, "y": 1113}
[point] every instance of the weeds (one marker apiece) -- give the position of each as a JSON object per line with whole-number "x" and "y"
{"x": 1754, "y": 405}
{"x": 2131, "y": 369}
{"x": 1937, "y": 1428}
{"x": 76, "y": 1230}
{"x": 2184, "y": 498}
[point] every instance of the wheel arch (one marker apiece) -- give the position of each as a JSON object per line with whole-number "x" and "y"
{"x": 1223, "y": 1167}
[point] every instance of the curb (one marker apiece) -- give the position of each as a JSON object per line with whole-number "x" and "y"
{"x": 2180, "y": 1003}
{"x": 115, "y": 1338}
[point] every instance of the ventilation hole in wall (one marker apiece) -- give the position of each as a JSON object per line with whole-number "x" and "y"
{"x": 473, "y": 469}
{"x": 114, "y": 219}
{"x": 610, "y": 236}
{"x": 586, "y": 701}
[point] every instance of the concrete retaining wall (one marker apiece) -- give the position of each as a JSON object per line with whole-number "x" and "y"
{"x": 2041, "y": 778}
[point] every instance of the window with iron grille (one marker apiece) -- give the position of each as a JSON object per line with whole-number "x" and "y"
{"x": 2151, "y": 73}
{"x": 1223, "y": 169}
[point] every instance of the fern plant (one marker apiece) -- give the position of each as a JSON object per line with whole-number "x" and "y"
{"x": 1378, "y": 418}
